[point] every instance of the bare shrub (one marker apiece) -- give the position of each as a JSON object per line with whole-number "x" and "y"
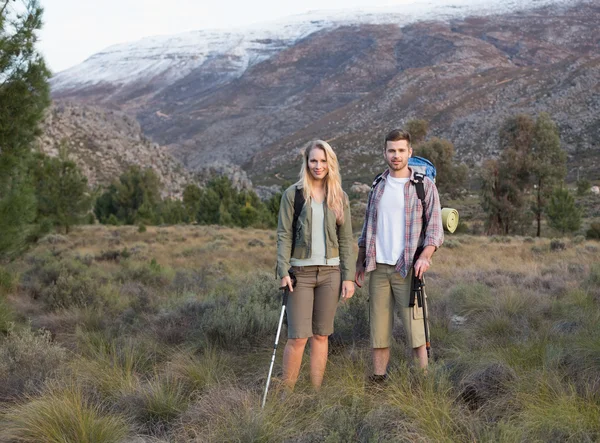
{"x": 230, "y": 320}
{"x": 55, "y": 239}
{"x": 27, "y": 359}
{"x": 486, "y": 384}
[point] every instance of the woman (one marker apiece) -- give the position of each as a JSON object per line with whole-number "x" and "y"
{"x": 317, "y": 253}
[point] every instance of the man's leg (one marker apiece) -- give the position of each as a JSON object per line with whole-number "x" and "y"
{"x": 381, "y": 317}
{"x": 412, "y": 318}
{"x": 381, "y": 358}
{"x": 420, "y": 354}
{"x": 319, "y": 346}
{"x": 292, "y": 359}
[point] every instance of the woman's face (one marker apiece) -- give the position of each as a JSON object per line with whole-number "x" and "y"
{"x": 317, "y": 164}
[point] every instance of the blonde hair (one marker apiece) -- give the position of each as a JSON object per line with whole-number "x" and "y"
{"x": 333, "y": 181}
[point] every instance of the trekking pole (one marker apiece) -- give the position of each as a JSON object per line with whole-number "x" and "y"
{"x": 283, "y": 303}
{"x": 419, "y": 293}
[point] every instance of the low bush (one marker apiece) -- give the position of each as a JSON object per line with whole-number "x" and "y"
{"x": 228, "y": 319}
{"x": 63, "y": 415}
{"x": 7, "y": 281}
{"x": 151, "y": 273}
{"x": 27, "y": 359}
{"x": 593, "y": 233}
{"x": 452, "y": 244}
{"x": 161, "y": 400}
{"x": 557, "y": 245}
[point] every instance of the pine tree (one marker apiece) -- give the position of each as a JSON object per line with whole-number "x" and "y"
{"x": 61, "y": 190}
{"x": 418, "y": 130}
{"x": 134, "y": 197}
{"x": 563, "y": 214}
{"x": 548, "y": 164}
{"x": 531, "y": 164}
{"x": 24, "y": 95}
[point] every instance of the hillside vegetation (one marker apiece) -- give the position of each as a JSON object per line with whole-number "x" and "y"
{"x": 110, "y": 334}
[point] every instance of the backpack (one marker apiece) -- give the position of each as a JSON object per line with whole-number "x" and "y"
{"x": 298, "y": 204}
{"x": 422, "y": 168}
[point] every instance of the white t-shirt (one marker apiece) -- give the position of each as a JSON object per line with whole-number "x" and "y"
{"x": 391, "y": 222}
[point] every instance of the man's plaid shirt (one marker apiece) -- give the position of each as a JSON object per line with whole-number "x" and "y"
{"x": 414, "y": 222}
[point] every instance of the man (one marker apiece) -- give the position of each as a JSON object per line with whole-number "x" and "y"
{"x": 391, "y": 234}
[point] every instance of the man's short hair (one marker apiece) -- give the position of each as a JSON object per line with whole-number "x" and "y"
{"x": 397, "y": 135}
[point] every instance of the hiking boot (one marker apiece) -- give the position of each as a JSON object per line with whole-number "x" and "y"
{"x": 378, "y": 379}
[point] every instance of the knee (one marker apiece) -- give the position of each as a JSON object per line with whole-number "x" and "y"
{"x": 297, "y": 343}
{"x": 320, "y": 338}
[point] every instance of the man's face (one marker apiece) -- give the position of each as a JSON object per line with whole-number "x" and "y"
{"x": 397, "y": 154}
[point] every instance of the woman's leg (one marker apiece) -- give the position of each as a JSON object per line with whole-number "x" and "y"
{"x": 319, "y": 346}
{"x": 299, "y": 314}
{"x": 292, "y": 359}
{"x": 327, "y": 293}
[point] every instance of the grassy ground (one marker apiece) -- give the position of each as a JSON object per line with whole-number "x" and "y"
{"x": 112, "y": 335}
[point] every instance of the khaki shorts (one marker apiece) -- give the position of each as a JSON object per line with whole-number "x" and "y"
{"x": 387, "y": 288}
{"x": 311, "y": 307}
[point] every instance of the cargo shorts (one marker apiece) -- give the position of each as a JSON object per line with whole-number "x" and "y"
{"x": 311, "y": 307}
{"x": 388, "y": 290}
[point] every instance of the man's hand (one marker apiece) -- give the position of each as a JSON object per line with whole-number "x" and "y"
{"x": 421, "y": 266}
{"x": 347, "y": 289}
{"x": 287, "y": 281}
{"x": 424, "y": 261}
{"x": 359, "y": 277}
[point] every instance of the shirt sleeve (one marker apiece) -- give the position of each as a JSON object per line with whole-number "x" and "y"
{"x": 345, "y": 240}
{"x": 362, "y": 240}
{"x": 434, "y": 236}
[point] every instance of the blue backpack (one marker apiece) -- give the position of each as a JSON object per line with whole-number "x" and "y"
{"x": 423, "y": 166}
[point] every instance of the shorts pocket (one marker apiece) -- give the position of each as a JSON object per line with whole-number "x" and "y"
{"x": 417, "y": 312}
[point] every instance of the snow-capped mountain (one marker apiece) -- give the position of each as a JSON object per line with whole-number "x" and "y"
{"x": 251, "y": 97}
{"x": 162, "y": 60}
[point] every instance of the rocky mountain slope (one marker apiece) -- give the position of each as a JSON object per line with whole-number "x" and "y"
{"x": 104, "y": 143}
{"x": 350, "y": 84}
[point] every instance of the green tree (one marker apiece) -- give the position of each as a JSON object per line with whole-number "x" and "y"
{"x": 563, "y": 214}
{"x": 451, "y": 177}
{"x": 191, "y": 199}
{"x": 61, "y": 189}
{"x": 502, "y": 200}
{"x": 548, "y": 164}
{"x": 174, "y": 212}
{"x": 417, "y": 129}
{"x": 531, "y": 164}
{"x": 134, "y": 197}
{"x": 24, "y": 95}
{"x": 583, "y": 187}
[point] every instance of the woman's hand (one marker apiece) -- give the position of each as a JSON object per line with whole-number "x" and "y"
{"x": 347, "y": 289}
{"x": 287, "y": 281}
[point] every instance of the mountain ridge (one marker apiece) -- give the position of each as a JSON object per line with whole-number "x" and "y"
{"x": 351, "y": 83}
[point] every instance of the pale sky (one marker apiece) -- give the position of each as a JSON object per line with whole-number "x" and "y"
{"x": 76, "y": 29}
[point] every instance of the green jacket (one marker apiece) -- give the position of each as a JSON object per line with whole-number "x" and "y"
{"x": 338, "y": 238}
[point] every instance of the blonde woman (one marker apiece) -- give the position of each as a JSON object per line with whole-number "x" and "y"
{"x": 318, "y": 253}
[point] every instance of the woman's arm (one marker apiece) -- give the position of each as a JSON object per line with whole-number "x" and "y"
{"x": 285, "y": 234}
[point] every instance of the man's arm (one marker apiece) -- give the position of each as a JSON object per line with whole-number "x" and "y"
{"x": 359, "y": 277}
{"x": 434, "y": 234}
